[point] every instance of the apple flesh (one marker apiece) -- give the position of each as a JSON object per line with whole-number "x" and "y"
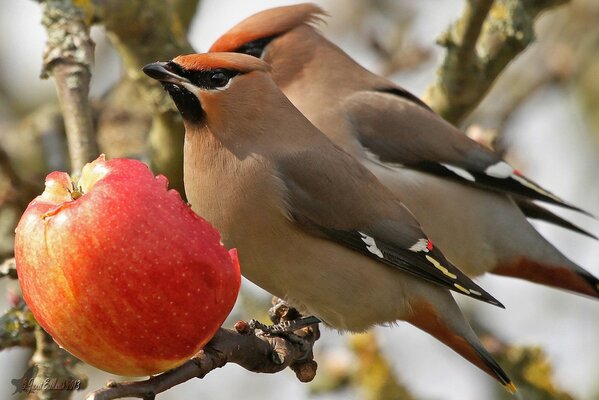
{"x": 120, "y": 271}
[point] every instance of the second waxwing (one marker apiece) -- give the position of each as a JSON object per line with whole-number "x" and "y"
{"x": 470, "y": 202}
{"x": 311, "y": 224}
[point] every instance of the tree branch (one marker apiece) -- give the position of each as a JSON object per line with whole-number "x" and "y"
{"x": 68, "y": 57}
{"x": 145, "y": 31}
{"x": 479, "y": 46}
{"x": 529, "y": 366}
{"x": 186, "y": 11}
{"x": 17, "y": 327}
{"x": 251, "y": 349}
{"x": 21, "y": 192}
{"x": 374, "y": 373}
{"x": 8, "y": 268}
{"x": 53, "y": 364}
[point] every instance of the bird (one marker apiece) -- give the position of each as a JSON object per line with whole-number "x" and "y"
{"x": 471, "y": 202}
{"x": 311, "y": 225}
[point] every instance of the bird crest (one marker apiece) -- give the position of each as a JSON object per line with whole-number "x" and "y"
{"x": 231, "y": 61}
{"x": 267, "y": 24}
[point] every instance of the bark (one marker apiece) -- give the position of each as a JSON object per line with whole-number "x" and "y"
{"x": 68, "y": 57}
{"x": 486, "y": 38}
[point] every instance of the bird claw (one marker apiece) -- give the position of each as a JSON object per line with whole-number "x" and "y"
{"x": 284, "y": 327}
{"x": 281, "y": 310}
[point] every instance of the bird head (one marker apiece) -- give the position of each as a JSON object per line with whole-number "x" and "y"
{"x": 201, "y": 84}
{"x": 262, "y": 31}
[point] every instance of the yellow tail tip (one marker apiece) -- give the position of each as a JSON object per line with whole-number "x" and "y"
{"x": 510, "y": 387}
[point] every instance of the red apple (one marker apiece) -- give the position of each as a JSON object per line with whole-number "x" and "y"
{"x": 120, "y": 271}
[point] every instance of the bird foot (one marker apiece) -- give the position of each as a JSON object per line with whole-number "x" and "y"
{"x": 284, "y": 326}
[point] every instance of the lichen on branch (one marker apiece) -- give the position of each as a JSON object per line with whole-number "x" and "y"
{"x": 68, "y": 57}
{"x": 486, "y": 38}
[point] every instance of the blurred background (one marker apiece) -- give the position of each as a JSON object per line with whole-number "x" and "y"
{"x": 543, "y": 115}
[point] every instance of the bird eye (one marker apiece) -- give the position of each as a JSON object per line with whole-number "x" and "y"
{"x": 219, "y": 79}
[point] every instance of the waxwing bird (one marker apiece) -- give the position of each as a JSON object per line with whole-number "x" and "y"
{"x": 310, "y": 223}
{"x": 468, "y": 200}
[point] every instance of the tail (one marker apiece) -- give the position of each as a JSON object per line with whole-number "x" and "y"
{"x": 567, "y": 276}
{"x": 535, "y": 211}
{"x": 447, "y": 324}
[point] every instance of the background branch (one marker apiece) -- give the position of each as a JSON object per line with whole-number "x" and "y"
{"x": 144, "y": 32}
{"x": 17, "y": 327}
{"x": 478, "y": 49}
{"x": 185, "y": 11}
{"x": 53, "y": 365}
{"x": 19, "y": 191}
{"x": 68, "y": 57}
{"x": 8, "y": 268}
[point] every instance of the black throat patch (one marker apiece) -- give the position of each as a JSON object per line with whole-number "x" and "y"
{"x": 187, "y": 103}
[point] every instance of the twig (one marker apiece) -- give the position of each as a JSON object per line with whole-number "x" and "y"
{"x": 374, "y": 373}
{"x": 399, "y": 56}
{"x": 8, "y": 169}
{"x": 16, "y": 327}
{"x": 250, "y": 349}
{"x": 185, "y": 10}
{"x": 529, "y": 366}
{"x": 515, "y": 87}
{"x": 479, "y": 46}
{"x": 389, "y": 39}
{"x": 52, "y": 364}
{"x": 8, "y": 268}
{"x": 21, "y": 192}
{"x": 68, "y": 57}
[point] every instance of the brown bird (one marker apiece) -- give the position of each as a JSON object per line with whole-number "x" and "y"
{"x": 468, "y": 200}
{"x": 310, "y": 223}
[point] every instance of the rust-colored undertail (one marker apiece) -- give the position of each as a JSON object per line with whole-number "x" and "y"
{"x": 559, "y": 277}
{"x": 426, "y": 318}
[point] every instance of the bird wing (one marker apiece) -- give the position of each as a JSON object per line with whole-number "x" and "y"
{"x": 334, "y": 197}
{"x": 398, "y": 131}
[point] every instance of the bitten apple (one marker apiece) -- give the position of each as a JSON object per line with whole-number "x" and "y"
{"x": 120, "y": 271}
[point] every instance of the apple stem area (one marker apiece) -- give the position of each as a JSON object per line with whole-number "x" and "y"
{"x": 76, "y": 193}
{"x": 249, "y": 348}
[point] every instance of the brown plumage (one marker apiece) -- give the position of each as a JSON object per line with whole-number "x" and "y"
{"x": 310, "y": 223}
{"x": 459, "y": 191}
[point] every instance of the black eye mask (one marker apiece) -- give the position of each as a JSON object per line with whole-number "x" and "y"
{"x": 210, "y": 79}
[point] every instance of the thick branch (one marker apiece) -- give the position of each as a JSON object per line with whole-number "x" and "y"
{"x": 479, "y": 46}
{"x": 68, "y": 58}
{"x": 465, "y": 33}
{"x": 252, "y": 350}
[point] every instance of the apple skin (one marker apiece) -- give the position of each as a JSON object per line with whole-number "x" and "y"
{"x": 125, "y": 277}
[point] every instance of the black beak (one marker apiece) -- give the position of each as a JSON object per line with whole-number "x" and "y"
{"x": 170, "y": 76}
{"x": 163, "y": 72}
